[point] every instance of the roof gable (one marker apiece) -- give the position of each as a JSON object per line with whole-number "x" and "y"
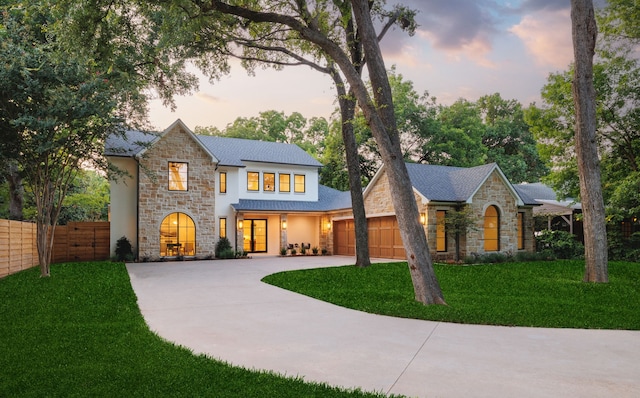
{"x": 450, "y": 184}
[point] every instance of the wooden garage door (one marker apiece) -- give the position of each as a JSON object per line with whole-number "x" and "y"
{"x": 384, "y": 238}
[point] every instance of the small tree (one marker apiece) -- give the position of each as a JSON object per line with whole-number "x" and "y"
{"x": 124, "y": 250}
{"x": 223, "y": 246}
{"x": 459, "y": 222}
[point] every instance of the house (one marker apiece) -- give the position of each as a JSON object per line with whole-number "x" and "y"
{"x": 504, "y": 217}
{"x": 183, "y": 192}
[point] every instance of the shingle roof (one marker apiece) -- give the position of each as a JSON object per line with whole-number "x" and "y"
{"x": 540, "y": 193}
{"x": 229, "y": 151}
{"x": 235, "y": 151}
{"x": 328, "y": 199}
{"x": 452, "y": 184}
{"x": 446, "y": 183}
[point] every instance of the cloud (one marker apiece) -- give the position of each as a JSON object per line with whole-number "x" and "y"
{"x": 547, "y": 36}
{"x": 212, "y": 99}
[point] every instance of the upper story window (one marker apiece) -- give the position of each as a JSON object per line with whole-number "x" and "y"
{"x": 269, "y": 182}
{"x": 253, "y": 181}
{"x": 223, "y": 182}
{"x": 178, "y": 176}
{"x": 285, "y": 183}
{"x": 298, "y": 183}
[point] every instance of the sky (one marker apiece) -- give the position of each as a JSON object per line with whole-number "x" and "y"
{"x": 461, "y": 49}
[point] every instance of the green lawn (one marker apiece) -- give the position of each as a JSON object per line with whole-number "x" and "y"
{"x": 541, "y": 294}
{"x": 80, "y": 333}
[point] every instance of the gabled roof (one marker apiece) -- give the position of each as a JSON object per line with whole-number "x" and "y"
{"x": 226, "y": 151}
{"x": 451, "y": 184}
{"x": 548, "y": 199}
{"x": 328, "y": 199}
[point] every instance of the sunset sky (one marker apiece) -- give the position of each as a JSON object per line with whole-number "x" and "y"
{"x": 462, "y": 49}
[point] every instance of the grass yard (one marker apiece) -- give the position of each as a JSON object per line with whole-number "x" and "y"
{"x": 539, "y": 294}
{"x": 80, "y": 334}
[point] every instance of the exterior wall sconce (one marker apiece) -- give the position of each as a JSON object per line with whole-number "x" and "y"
{"x": 423, "y": 218}
{"x": 240, "y": 224}
{"x": 328, "y": 225}
{"x": 284, "y": 224}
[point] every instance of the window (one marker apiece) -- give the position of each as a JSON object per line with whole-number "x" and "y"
{"x": 269, "y": 182}
{"x": 223, "y": 227}
{"x": 177, "y": 235}
{"x": 223, "y": 182}
{"x": 520, "y": 231}
{"x": 491, "y": 230}
{"x": 178, "y": 176}
{"x": 298, "y": 183}
{"x": 253, "y": 181}
{"x": 285, "y": 182}
{"x": 441, "y": 231}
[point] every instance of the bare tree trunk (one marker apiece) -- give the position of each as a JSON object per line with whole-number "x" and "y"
{"x": 381, "y": 119}
{"x": 585, "y": 32}
{"x": 347, "y": 113}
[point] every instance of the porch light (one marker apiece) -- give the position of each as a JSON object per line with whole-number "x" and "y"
{"x": 328, "y": 225}
{"x": 240, "y": 224}
{"x": 423, "y": 218}
{"x": 284, "y": 224}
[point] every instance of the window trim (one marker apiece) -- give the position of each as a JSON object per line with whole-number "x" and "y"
{"x": 444, "y": 230}
{"x": 257, "y": 173}
{"x": 170, "y": 179}
{"x": 520, "y": 230}
{"x": 222, "y": 229}
{"x": 304, "y": 183}
{"x": 264, "y": 182}
{"x": 280, "y": 175}
{"x": 496, "y": 228}
{"x": 222, "y": 183}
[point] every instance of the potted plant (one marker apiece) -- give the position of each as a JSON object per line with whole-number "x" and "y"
{"x": 314, "y": 250}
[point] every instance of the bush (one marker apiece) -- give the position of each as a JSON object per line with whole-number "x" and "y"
{"x": 221, "y": 246}
{"x": 283, "y": 251}
{"x": 561, "y": 244}
{"x": 227, "y": 253}
{"x": 124, "y": 250}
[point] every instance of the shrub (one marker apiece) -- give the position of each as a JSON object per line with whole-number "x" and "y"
{"x": 294, "y": 252}
{"x": 221, "y": 246}
{"x": 227, "y": 253}
{"x": 283, "y": 251}
{"x": 561, "y": 243}
{"x": 124, "y": 250}
{"x": 314, "y": 250}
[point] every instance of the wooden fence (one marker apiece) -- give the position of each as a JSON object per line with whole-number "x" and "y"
{"x": 18, "y": 245}
{"x": 78, "y": 241}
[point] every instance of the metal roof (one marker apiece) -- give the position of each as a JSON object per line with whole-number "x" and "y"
{"x": 328, "y": 199}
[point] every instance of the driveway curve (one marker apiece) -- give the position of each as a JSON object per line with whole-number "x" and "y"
{"x": 222, "y": 309}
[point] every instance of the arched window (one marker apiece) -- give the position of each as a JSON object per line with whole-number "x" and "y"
{"x": 177, "y": 235}
{"x": 491, "y": 229}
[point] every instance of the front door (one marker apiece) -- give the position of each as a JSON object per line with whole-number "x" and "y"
{"x": 255, "y": 236}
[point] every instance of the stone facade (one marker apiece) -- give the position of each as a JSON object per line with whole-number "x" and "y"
{"x": 156, "y": 201}
{"x": 494, "y": 191}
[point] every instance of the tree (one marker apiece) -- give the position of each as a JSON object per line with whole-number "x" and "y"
{"x": 306, "y": 24}
{"x": 508, "y": 140}
{"x": 58, "y": 106}
{"x": 584, "y": 33}
{"x": 460, "y": 221}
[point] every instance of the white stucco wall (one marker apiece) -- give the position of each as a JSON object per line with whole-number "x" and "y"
{"x": 123, "y": 203}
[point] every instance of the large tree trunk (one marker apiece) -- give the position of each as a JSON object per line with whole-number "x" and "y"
{"x": 16, "y": 192}
{"x": 381, "y": 119}
{"x": 595, "y": 233}
{"x": 347, "y": 113}
{"x": 363, "y": 258}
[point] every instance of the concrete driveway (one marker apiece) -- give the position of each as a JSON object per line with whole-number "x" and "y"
{"x": 221, "y": 308}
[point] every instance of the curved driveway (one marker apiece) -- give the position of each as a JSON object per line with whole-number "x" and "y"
{"x": 221, "y": 308}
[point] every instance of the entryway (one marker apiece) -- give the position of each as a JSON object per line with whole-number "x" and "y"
{"x": 255, "y": 235}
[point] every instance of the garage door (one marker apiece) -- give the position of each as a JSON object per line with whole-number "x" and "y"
{"x": 384, "y": 238}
